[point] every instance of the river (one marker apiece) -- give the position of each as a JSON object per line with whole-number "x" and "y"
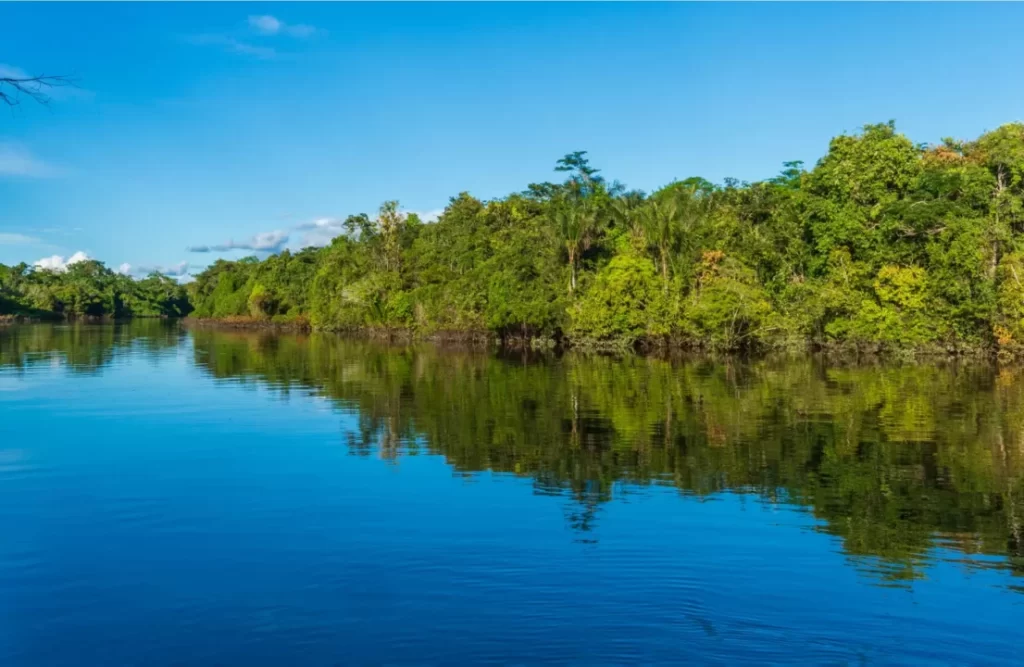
{"x": 177, "y": 497}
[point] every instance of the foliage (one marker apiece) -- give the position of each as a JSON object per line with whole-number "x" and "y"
{"x": 728, "y": 308}
{"x": 88, "y": 289}
{"x": 625, "y": 303}
{"x": 883, "y": 243}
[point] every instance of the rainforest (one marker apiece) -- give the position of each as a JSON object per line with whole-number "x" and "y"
{"x": 884, "y": 244}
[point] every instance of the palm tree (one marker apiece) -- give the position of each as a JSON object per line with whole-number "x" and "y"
{"x": 625, "y": 210}
{"x": 660, "y": 226}
{"x": 575, "y": 221}
{"x": 670, "y": 218}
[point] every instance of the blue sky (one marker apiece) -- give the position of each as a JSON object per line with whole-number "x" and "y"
{"x": 204, "y": 125}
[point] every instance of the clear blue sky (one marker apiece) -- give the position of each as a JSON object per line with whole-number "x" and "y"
{"x": 198, "y": 127}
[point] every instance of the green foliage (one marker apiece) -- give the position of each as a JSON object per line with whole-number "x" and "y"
{"x": 278, "y": 286}
{"x": 728, "y": 309}
{"x": 883, "y": 243}
{"x": 624, "y": 304}
{"x": 88, "y": 289}
{"x": 1010, "y": 327}
{"x": 899, "y": 312}
{"x": 262, "y": 302}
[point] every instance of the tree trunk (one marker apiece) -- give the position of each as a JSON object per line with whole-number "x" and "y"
{"x": 1000, "y": 186}
{"x": 995, "y": 260}
{"x": 572, "y": 271}
{"x": 664, "y": 266}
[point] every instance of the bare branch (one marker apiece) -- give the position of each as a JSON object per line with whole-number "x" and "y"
{"x": 36, "y": 88}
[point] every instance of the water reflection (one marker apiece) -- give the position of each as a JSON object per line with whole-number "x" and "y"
{"x": 84, "y": 348}
{"x": 899, "y": 462}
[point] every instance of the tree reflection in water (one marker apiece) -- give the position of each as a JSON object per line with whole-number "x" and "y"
{"x": 896, "y": 461}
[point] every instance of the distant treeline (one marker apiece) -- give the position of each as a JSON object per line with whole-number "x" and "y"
{"x": 87, "y": 289}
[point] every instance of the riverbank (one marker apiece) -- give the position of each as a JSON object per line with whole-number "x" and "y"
{"x": 21, "y": 318}
{"x": 395, "y": 334}
{"x": 844, "y": 351}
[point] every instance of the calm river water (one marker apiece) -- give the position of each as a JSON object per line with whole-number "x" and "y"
{"x": 174, "y": 497}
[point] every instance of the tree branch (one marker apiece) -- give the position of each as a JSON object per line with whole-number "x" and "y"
{"x": 36, "y": 88}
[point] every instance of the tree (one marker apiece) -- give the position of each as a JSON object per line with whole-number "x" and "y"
{"x": 390, "y": 225}
{"x": 90, "y": 289}
{"x": 626, "y": 211}
{"x": 671, "y": 216}
{"x": 883, "y": 243}
{"x": 581, "y": 174}
{"x": 575, "y": 221}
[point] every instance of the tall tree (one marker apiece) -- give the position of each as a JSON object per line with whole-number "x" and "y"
{"x": 671, "y": 216}
{"x": 575, "y": 221}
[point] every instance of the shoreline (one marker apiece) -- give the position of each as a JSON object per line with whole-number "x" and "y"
{"x": 840, "y": 352}
{"x": 655, "y": 348}
{"x": 53, "y": 318}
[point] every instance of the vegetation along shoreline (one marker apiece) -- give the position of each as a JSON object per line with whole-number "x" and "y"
{"x": 884, "y": 245}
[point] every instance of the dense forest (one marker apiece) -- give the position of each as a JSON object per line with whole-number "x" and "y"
{"x": 87, "y": 289}
{"x": 884, "y": 243}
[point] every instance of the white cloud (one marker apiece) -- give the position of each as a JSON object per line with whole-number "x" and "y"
{"x": 273, "y": 241}
{"x": 58, "y": 263}
{"x": 271, "y": 25}
{"x": 262, "y": 25}
{"x": 429, "y": 216}
{"x": 269, "y": 241}
{"x": 301, "y": 30}
{"x": 320, "y": 232}
{"x": 268, "y": 25}
{"x": 320, "y": 223}
{"x": 16, "y": 239}
{"x": 16, "y": 160}
{"x": 178, "y": 270}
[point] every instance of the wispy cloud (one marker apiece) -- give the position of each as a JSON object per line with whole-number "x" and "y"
{"x": 233, "y": 45}
{"x": 16, "y": 160}
{"x": 247, "y": 41}
{"x": 271, "y": 25}
{"x": 179, "y": 270}
{"x": 274, "y": 241}
{"x": 315, "y": 233}
{"x": 58, "y": 263}
{"x": 17, "y": 239}
{"x": 321, "y": 231}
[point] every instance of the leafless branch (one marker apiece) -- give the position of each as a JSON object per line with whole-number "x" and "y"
{"x": 36, "y": 88}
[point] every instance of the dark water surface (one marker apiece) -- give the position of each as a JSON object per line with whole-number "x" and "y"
{"x": 220, "y": 498}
